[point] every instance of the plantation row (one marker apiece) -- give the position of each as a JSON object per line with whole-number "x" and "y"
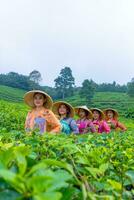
{"x": 120, "y": 101}
{"x": 11, "y": 94}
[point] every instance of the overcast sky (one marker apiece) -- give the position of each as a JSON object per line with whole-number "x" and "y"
{"x": 95, "y": 38}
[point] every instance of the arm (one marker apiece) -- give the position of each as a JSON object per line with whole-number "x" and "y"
{"x": 121, "y": 126}
{"x": 53, "y": 122}
{"x": 27, "y": 122}
{"x": 92, "y": 127}
{"x": 74, "y": 127}
{"x": 106, "y": 127}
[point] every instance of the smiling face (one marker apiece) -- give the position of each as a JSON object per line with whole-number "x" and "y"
{"x": 96, "y": 115}
{"x": 82, "y": 113}
{"x": 39, "y": 100}
{"x": 110, "y": 114}
{"x": 63, "y": 110}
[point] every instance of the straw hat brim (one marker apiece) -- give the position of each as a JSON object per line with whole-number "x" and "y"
{"x": 56, "y": 106}
{"x": 29, "y": 99}
{"x": 116, "y": 114}
{"x": 90, "y": 115}
{"x": 100, "y": 111}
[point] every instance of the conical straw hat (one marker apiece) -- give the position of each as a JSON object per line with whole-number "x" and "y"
{"x": 90, "y": 116}
{"x": 29, "y": 99}
{"x": 100, "y": 111}
{"x": 57, "y": 104}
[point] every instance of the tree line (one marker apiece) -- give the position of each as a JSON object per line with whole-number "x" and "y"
{"x": 20, "y": 81}
{"x": 64, "y": 84}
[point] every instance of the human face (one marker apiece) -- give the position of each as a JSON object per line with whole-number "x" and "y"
{"x": 63, "y": 110}
{"x": 96, "y": 114}
{"x": 39, "y": 100}
{"x": 110, "y": 114}
{"x": 82, "y": 113}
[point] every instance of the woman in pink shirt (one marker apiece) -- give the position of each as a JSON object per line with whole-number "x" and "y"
{"x": 85, "y": 120}
{"x": 99, "y": 122}
{"x": 112, "y": 119}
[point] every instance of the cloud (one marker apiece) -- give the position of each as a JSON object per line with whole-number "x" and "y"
{"x": 94, "y": 38}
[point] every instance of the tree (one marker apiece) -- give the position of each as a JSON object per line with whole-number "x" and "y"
{"x": 130, "y": 88}
{"x": 35, "y": 77}
{"x": 64, "y": 83}
{"x": 15, "y": 80}
{"x": 111, "y": 87}
{"x": 88, "y": 90}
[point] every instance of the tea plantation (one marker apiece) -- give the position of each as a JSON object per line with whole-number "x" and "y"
{"x": 60, "y": 167}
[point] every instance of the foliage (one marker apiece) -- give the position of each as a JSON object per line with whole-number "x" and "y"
{"x": 88, "y": 90}
{"x": 66, "y": 167}
{"x": 64, "y": 83}
{"x": 60, "y": 167}
{"x": 130, "y": 113}
{"x": 12, "y": 116}
{"x": 35, "y": 77}
{"x": 11, "y": 94}
{"x": 120, "y": 101}
{"x": 111, "y": 87}
{"x": 130, "y": 87}
{"x": 16, "y": 80}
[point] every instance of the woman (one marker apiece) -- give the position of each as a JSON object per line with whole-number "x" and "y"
{"x": 85, "y": 120}
{"x": 65, "y": 113}
{"x": 112, "y": 119}
{"x": 40, "y": 117}
{"x": 99, "y": 122}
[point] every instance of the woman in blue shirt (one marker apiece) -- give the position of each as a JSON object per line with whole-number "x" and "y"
{"x": 65, "y": 113}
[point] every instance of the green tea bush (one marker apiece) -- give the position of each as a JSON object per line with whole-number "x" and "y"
{"x": 12, "y": 116}
{"x": 60, "y": 167}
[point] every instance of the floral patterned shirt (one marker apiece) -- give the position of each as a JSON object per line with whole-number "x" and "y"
{"x": 44, "y": 119}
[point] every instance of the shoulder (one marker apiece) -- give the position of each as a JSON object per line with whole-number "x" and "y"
{"x": 30, "y": 112}
{"x": 70, "y": 120}
{"x": 88, "y": 120}
{"x": 103, "y": 122}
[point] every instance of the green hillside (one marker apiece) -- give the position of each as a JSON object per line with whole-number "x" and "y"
{"x": 11, "y": 94}
{"x": 120, "y": 101}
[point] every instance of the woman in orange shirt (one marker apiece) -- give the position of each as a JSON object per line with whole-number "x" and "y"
{"x": 112, "y": 119}
{"x": 40, "y": 117}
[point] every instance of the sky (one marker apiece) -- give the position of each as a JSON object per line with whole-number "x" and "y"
{"x": 95, "y": 38}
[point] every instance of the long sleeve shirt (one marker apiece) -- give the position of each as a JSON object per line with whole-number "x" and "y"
{"x": 44, "y": 119}
{"x": 85, "y": 126}
{"x": 71, "y": 126}
{"x": 101, "y": 126}
{"x": 115, "y": 124}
